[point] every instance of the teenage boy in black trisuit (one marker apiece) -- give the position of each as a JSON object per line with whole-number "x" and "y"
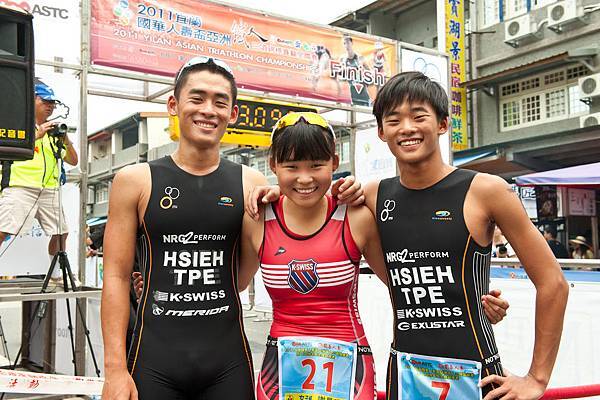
{"x": 436, "y": 224}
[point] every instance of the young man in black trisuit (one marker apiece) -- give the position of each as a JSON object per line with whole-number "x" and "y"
{"x": 436, "y": 224}
{"x": 184, "y": 215}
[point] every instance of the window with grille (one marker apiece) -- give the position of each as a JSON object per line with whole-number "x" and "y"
{"x": 556, "y": 103}
{"x": 542, "y": 98}
{"x": 532, "y": 110}
{"x": 101, "y": 194}
{"x": 576, "y": 106}
{"x": 530, "y": 84}
{"x": 577, "y": 72}
{"x": 510, "y": 89}
{"x": 511, "y": 113}
{"x": 557, "y": 76}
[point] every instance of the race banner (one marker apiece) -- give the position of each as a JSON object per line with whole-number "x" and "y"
{"x": 266, "y": 53}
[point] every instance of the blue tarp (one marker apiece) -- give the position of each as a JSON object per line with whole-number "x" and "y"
{"x": 587, "y": 175}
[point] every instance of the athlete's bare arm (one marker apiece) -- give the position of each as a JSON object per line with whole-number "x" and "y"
{"x": 366, "y": 236}
{"x": 491, "y": 201}
{"x": 128, "y": 199}
{"x": 252, "y": 235}
{"x": 249, "y": 253}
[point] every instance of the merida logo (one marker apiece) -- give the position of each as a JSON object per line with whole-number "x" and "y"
{"x": 442, "y": 215}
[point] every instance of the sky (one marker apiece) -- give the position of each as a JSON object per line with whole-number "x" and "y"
{"x": 328, "y": 10}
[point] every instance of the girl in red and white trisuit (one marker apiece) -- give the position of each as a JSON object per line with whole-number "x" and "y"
{"x": 306, "y": 228}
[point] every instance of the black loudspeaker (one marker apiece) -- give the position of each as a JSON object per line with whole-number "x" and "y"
{"x": 17, "y": 99}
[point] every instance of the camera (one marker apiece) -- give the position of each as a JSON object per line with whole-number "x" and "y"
{"x": 58, "y": 131}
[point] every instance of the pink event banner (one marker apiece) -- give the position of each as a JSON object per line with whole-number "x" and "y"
{"x": 265, "y": 53}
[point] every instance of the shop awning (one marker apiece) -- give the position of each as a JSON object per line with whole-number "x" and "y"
{"x": 461, "y": 160}
{"x": 96, "y": 221}
{"x": 587, "y": 175}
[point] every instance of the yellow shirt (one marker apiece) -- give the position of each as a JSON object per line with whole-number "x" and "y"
{"x": 40, "y": 172}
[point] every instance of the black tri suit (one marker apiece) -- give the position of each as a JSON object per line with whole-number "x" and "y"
{"x": 436, "y": 274}
{"x": 189, "y": 340}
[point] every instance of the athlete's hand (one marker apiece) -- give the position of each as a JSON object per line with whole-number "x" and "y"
{"x": 348, "y": 191}
{"x": 119, "y": 386}
{"x": 260, "y": 195}
{"x": 513, "y": 387}
{"x": 494, "y": 306}
{"x": 138, "y": 284}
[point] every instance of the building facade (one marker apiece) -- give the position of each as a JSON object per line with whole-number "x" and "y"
{"x": 526, "y": 64}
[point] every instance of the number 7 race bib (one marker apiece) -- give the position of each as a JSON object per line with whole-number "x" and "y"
{"x": 312, "y": 368}
{"x": 437, "y": 378}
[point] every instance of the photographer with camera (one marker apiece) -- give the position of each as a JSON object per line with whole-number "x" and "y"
{"x": 31, "y": 188}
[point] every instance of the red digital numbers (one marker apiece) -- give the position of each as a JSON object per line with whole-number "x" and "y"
{"x": 308, "y": 384}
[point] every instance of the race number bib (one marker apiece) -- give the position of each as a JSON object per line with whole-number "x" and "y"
{"x": 436, "y": 378}
{"x": 312, "y": 368}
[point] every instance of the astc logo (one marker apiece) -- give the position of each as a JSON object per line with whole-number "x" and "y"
{"x": 388, "y": 207}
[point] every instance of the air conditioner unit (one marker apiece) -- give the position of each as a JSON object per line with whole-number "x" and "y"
{"x": 563, "y": 13}
{"x": 589, "y": 86}
{"x": 519, "y": 29}
{"x": 586, "y": 121}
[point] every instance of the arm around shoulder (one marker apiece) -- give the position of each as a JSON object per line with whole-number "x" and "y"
{"x": 366, "y": 236}
{"x": 371, "y": 189}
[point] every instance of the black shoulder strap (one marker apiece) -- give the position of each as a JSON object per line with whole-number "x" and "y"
{"x": 5, "y": 174}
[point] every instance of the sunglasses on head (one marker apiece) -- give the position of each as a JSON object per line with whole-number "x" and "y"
{"x": 204, "y": 60}
{"x": 310, "y": 118}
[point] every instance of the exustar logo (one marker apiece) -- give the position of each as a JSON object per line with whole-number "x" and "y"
{"x": 442, "y": 215}
{"x": 37, "y": 9}
{"x": 226, "y": 201}
{"x": 172, "y": 193}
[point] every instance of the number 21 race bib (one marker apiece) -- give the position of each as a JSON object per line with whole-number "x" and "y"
{"x": 312, "y": 368}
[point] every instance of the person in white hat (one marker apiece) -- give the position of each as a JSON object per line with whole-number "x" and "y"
{"x": 582, "y": 250}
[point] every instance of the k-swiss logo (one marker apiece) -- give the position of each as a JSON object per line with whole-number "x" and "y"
{"x": 388, "y": 207}
{"x": 442, "y": 215}
{"x": 171, "y": 193}
{"x": 303, "y": 277}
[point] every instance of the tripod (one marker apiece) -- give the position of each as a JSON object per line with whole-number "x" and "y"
{"x": 68, "y": 281}
{"x": 4, "y": 343}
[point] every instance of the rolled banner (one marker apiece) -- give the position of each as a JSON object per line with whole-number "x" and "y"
{"x": 31, "y": 382}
